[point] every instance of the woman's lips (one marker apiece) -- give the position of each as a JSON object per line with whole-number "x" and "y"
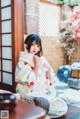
{"x": 34, "y": 51}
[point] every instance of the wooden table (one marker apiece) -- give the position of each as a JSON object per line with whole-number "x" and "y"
{"x": 25, "y": 110}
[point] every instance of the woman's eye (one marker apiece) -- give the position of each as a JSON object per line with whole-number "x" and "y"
{"x": 35, "y": 45}
{"x": 38, "y": 46}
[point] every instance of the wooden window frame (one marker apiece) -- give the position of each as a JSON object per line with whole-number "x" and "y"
{"x": 17, "y": 38}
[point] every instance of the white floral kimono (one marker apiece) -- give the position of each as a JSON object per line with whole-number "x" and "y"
{"x": 25, "y": 76}
{"x": 29, "y": 87}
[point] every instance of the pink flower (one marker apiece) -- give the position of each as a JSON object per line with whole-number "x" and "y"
{"x": 31, "y": 90}
{"x": 31, "y": 83}
{"x": 25, "y": 63}
{"x": 50, "y": 84}
{"x": 32, "y": 68}
{"x": 47, "y": 77}
{"x": 75, "y": 22}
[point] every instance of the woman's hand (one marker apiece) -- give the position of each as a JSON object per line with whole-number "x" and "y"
{"x": 37, "y": 61}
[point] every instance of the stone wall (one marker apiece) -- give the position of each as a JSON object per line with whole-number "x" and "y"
{"x": 31, "y": 17}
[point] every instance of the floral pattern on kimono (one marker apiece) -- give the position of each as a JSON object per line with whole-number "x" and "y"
{"x": 26, "y": 79}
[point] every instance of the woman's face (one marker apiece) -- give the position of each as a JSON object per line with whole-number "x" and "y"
{"x": 34, "y": 48}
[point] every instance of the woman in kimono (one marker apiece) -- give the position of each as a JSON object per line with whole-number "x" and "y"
{"x": 33, "y": 72}
{"x": 34, "y": 75}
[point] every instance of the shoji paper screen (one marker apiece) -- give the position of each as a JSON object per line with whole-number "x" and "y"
{"x": 6, "y": 43}
{"x": 9, "y": 28}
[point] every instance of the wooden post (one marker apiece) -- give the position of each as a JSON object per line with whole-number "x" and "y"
{"x": 17, "y": 28}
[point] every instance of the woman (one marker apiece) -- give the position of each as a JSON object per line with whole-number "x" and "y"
{"x": 33, "y": 73}
{"x": 35, "y": 77}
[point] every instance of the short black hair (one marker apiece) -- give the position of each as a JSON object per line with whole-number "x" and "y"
{"x": 29, "y": 40}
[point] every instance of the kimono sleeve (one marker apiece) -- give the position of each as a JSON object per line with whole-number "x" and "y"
{"x": 52, "y": 74}
{"x": 24, "y": 73}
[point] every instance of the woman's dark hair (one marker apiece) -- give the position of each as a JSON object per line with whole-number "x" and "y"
{"x": 29, "y": 40}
